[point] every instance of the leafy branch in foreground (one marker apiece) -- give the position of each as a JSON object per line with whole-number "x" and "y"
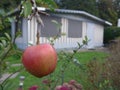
{"x": 7, "y": 48}
{"x": 67, "y": 59}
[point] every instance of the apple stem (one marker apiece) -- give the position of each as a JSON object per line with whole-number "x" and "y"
{"x": 38, "y": 35}
{"x": 37, "y": 17}
{"x": 39, "y": 20}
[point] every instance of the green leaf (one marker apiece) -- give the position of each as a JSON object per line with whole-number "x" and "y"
{"x": 2, "y": 12}
{"x": 57, "y": 24}
{"x": 78, "y": 44}
{"x": 2, "y": 38}
{"x": 8, "y": 36}
{"x": 51, "y": 4}
{"x": 85, "y": 41}
{"x": 54, "y": 21}
{"x": 27, "y": 8}
{"x": 63, "y": 33}
{"x": 18, "y": 34}
{"x": 47, "y": 3}
{"x": 4, "y": 42}
{"x": 0, "y": 21}
{"x": 74, "y": 51}
{"x": 1, "y": 45}
{"x": 38, "y": 1}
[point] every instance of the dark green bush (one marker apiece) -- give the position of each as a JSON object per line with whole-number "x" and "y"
{"x": 111, "y": 33}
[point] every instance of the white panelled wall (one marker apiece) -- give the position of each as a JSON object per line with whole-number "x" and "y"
{"x": 63, "y": 42}
{"x": 94, "y": 33}
{"x": 98, "y": 35}
{"x": 32, "y": 29}
{"x": 21, "y": 41}
{"x": 118, "y": 22}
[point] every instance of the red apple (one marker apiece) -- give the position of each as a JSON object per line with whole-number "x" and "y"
{"x": 40, "y": 60}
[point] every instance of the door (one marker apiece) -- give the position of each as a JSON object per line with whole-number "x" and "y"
{"x": 90, "y": 35}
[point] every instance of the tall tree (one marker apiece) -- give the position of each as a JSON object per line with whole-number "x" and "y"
{"x": 107, "y": 10}
{"x": 117, "y": 7}
{"x": 85, "y": 5}
{"x": 7, "y": 5}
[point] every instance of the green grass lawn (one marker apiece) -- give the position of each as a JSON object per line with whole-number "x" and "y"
{"x": 72, "y": 71}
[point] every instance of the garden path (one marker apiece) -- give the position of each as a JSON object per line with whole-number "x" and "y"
{"x": 9, "y": 75}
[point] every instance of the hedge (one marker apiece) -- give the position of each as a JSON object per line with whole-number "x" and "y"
{"x": 111, "y": 33}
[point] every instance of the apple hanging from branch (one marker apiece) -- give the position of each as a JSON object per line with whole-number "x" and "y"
{"x": 40, "y": 60}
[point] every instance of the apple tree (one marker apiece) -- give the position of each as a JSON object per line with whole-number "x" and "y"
{"x": 7, "y": 44}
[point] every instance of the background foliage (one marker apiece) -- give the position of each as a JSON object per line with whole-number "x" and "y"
{"x": 5, "y": 7}
{"x": 85, "y": 5}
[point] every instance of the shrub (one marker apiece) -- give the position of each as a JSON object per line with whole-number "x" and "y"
{"x": 110, "y": 33}
{"x": 105, "y": 75}
{"x": 113, "y": 65}
{"x": 97, "y": 77}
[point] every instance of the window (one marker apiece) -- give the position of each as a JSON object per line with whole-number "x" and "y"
{"x": 50, "y": 29}
{"x": 74, "y": 28}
